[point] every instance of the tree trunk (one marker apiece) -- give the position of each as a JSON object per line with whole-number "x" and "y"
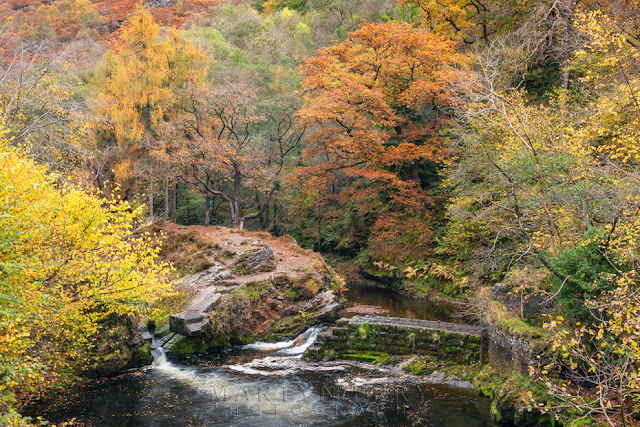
{"x": 234, "y": 214}
{"x": 567, "y": 42}
{"x": 165, "y": 185}
{"x": 214, "y": 207}
{"x": 235, "y": 217}
{"x": 207, "y": 208}
{"x": 174, "y": 201}
{"x": 259, "y": 205}
{"x": 150, "y": 191}
{"x": 267, "y": 217}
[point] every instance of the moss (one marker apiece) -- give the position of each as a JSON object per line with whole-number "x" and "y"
{"x": 185, "y": 347}
{"x": 496, "y": 314}
{"x": 362, "y": 336}
{"x": 141, "y": 357}
{"x": 242, "y": 340}
{"x": 288, "y": 326}
{"x": 251, "y": 291}
{"x": 420, "y": 368}
{"x": 373, "y": 357}
{"x": 307, "y": 287}
{"x": 292, "y": 294}
{"x": 512, "y": 394}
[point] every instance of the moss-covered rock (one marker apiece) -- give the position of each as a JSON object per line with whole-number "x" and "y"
{"x": 141, "y": 357}
{"x": 373, "y": 357}
{"x": 255, "y": 258}
{"x": 188, "y": 346}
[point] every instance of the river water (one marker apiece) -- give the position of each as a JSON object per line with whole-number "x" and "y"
{"x": 266, "y": 384}
{"x": 400, "y": 305}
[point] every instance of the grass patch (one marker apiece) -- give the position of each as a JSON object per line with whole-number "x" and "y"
{"x": 496, "y": 314}
{"x": 291, "y": 294}
{"x": 251, "y": 291}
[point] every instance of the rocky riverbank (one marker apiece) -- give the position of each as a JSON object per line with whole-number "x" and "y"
{"x": 256, "y": 287}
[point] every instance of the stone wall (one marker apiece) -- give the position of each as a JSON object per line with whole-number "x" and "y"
{"x": 446, "y": 341}
{"x": 460, "y": 344}
{"x": 508, "y": 352}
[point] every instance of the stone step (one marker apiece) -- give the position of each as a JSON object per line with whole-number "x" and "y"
{"x": 195, "y": 328}
{"x": 171, "y": 340}
{"x": 188, "y": 322}
{"x": 205, "y": 300}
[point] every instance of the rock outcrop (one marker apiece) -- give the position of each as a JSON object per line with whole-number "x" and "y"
{"x": 122, "y": 345}
{"x": 191, "y": 321}
{"x": 257, "y": 287}
{"x": 257, "y": 258}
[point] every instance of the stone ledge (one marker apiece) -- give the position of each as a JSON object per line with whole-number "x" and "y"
{"x": 401, "y": 322}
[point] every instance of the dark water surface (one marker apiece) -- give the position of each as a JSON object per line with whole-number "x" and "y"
{"x": 400, "y": 305}
{"x": 154, "y": 399}
{"x": 269, "y": 385}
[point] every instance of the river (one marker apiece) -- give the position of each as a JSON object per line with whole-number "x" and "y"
{"x": 268, "y": 384}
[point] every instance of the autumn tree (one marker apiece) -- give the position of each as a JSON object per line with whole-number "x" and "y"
{"x": 40, "y": 101}
{"x": 334, "y": 19}
{"x": 466, "y": 21}
{"x": 599, "y": 355}
{"x": 555, "y": 186}
{"x": 374, "y": 104}
{"x": 597, "y": 358}
{"x": 236, "y": 141}
{"x": 68, "y": 261}
{"x": 141, "y": 82}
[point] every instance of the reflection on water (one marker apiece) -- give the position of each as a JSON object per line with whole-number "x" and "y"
{"x": 400, "y": 305}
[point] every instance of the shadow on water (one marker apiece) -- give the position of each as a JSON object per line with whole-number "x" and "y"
{"x": 400, "y": 305}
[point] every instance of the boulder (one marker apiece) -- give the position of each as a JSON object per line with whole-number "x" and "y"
{"x": 325, "y": 307}
{"x": 256, "y": 258}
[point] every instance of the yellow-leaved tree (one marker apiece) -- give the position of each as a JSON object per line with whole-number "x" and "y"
{"x": 68, "y": 261}
{"x": 142, "y": 83}
{"x": 599, "y": 356}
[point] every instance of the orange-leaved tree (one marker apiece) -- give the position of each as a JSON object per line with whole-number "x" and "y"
{"x": 374, "y": 104}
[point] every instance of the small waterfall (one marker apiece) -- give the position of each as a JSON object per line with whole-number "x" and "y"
{"x": 286, "y": 359}
{"x": 159, "y": 358}
{"x": 302, "y": 342}
{"x": 296, "y": 346}
{"x": 284, "y": 397}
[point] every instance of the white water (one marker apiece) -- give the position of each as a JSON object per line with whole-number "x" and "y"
{"x": 292, "y": 347}
{"x": 286, "y": 399}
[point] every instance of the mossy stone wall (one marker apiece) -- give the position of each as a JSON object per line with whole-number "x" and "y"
{"x": 458, "y": 347}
